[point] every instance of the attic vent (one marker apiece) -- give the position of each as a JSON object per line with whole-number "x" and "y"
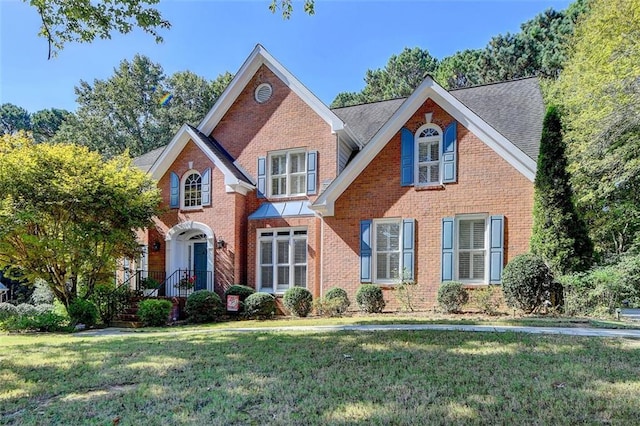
{"x": 263, "y": 93}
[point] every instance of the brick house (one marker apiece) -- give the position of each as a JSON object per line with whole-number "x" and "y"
{"x": 273, "y": 189}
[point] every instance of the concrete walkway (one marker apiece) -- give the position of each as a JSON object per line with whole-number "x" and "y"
{"x": 568, "y": 331}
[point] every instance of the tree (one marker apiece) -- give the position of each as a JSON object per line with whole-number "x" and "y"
{"x": 66, "y": 215}
{"x": 402, "y": 74}
{"x": 559, "y": 237}
{"x": 462, "y": 69}
{"x": 83, "y": 21}
{"x": 45, "y": 123}
{"x": 286, "y": 6}
{"x": 13, "y": 118}
{"x": 599, "y": 91}
{"x": 138, "y": 108}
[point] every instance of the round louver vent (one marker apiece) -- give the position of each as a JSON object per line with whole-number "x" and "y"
{"x": 263, "y": 93}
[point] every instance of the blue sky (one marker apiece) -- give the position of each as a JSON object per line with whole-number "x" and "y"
{"x": 329, "y": 52}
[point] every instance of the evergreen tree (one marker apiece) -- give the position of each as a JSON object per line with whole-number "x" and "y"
{"x": 559, "y": 235}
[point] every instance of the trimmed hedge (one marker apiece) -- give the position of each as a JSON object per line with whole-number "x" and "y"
{"x": 154, "y": 312}
{"x": 338, "y": 298}
{"x": 239, "y": 290}
{"x": 298, "y": 301}
{"x": 203, "y": 306}
{"x": 260, "y": 305}
{"x": 369, "y": 298}
{"x": 526, "y": 282}
{"x": 452, "y": 296}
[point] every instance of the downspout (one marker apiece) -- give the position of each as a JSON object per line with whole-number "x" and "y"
{"x": 321, "y": 256}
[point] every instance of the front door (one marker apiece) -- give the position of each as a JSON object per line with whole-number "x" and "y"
{"x": 200, "y": 265}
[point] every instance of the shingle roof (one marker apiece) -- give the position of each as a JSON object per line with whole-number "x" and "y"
{"x": 222, "y": 154}
{"x": 145, "y": 161}
{"x": 514, "y": 108}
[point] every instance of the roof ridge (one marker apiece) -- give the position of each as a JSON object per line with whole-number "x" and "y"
{"x": 495, "y": 83}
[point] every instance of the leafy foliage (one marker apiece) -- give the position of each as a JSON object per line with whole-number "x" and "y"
{"x": 239, "y": 290}
{"x": 138, "y": 108}
{"x": 13, "y": 118}
{"x": 298, "y": 301}
{"x": 338, "y": 294}
{"x": 66, "y": 215}
{"x": 82, "y": 21}
{"x": 559, "y": 236}
{"x": 260, "y": 305}
{"x": 405, "y": 293}
{"x": 452, "y": 296}
{"x": 370, "y": 299}
{"x": 526, "y": 282}
{"x": 83, "y": 312}
{"x": 110, "y": 301}
{"x": 7, "y": 310}
{"x": 286, "y": 7}
{"x": 37, "y": 321}
{"x": 486, "y": 300}
{"x": 599, "y": 91}
{"x": 203, "y": 306}
{"x": 42, "y": 294}
{"x": 154, "y": 312}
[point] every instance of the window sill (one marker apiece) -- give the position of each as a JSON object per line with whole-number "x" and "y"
{"x": 191, "y": 209}
{"x": 437, "y": 187}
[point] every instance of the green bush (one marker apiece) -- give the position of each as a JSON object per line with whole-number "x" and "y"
{"x": 26, "y": 309}
{"x": 110, "y": 301}
{"x": 203, "y": 306}
{"x": 452, "y": 296}
{"x": 260, "y": 305}
{"x": 239, "y": 290}
{"x": 154, "y": 312}
{"x": 369, "y": 298}
{"x": 298, "y": 301}
{"x": 7, "y": 310}
{"x": 44, "y": 308}
{"x": 83, "y": 311}
{"x": 486, "y": 300}
{"x": 338, "y": 297}
{"x": 527, "y": 282}
{"x": 45, "y": 322}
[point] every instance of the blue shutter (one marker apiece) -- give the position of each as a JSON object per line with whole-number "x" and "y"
{"x": 408, "y": 248}
{"x": 449, "y": 174}
{"x": 406, "y": 157}
{"x": 262, "y": 177}
{"x": 206, "y": 187}
{"x": 312, "y": 172}
{"x": 496, "y": 249}
{"x": 174, "y": 199}
{"x": 365, "y": 251}
{"x": 447, "y": 248}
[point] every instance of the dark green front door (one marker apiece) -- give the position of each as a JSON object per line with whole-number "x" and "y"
{"x": 200, "y": 265}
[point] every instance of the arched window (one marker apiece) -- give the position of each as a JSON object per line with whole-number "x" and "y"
{"x": 192, "y": 194}
{"x": 428, "y": 141}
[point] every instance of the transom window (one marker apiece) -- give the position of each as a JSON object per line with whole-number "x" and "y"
{"x": 192, "y": 194}
{"x": 471, "y": 249}
{"x": 387, "y": 250}
{"x": 288, "y": 173}
{"x": 428, "y": 141}
{"x": 282, "y": 259}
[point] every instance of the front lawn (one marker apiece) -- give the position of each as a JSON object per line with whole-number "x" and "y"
{"x": 417, "y": 377}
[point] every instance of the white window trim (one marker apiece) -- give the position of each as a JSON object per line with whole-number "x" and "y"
{"x": 456, "y": 252}
{"x": 416, "y": 151}
{"x": 287, "y": 174}
{"x": 274, "y": 257}
{"x": 374, "y": 251}
{"x": 183, "y": 192}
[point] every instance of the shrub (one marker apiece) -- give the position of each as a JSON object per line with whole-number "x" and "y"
{"x": 26, "y": 309}
{"x": 239, "y": 290}
{"x": 46, "y": 322}
{"x": 83, "y": 311}
{"x": 298, "y": 301}
{"x": 7, "y": 310}
{"x": 260, "y": 305}
{"x": 110, "y": 301}
{"x": 486, "y": 300}
{"x": 405, "y": 294}
{"x": 369, "y": 298}
{"x": 42, "y": 294}
{"x": 154, "y": 312}
{"x": 203, "y": 306}
{"x": 452, "y": 296}
{"x": 526, "y": 282}
{"x": 44, "y": 308}
{"x": 339, "y": 298}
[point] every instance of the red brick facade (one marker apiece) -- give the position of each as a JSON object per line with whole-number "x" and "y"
{"x": 486, "y": 184}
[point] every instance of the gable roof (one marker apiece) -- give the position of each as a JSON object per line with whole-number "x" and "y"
{"x": 495, "y": 103}
{"x": 234, "y": 178}
{"x": 258, "y": 57}
{"x": 504, "y": 147}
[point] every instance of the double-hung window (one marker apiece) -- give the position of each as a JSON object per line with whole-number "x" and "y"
{"x": 428, "y": 140}
{"x": 288, "y": 173}
{"x": 387, "y": 252}
{"x": 282, "y": 259}
{"x": 471, "y": 249}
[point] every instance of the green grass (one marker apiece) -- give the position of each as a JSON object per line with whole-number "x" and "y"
{"x": 423, "y": 377}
